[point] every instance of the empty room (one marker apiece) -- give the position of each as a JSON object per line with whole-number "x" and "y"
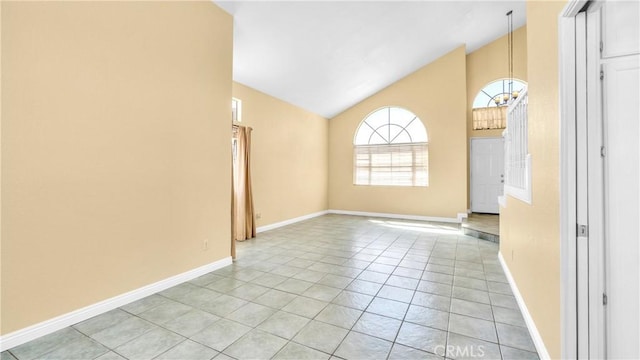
{"x": 196, "y": 180}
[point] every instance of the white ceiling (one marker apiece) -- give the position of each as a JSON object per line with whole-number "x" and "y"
{"x": 326, "y": 56}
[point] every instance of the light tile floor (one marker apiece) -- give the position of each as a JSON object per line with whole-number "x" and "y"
{"x": 331, "y": 287}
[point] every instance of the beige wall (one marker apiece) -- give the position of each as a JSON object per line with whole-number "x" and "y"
{"x": 490, "y": 63}
{"x": 0, "y": 168}
{"x": 289, "y": 160}
{"x": 530, "y": 234}
{"x": 431, "y": 93}
{"x": 115, "y": 149}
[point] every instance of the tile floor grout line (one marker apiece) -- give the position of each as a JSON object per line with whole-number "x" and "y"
{"x": 446, "y": 342}
{"x": 340, "y": 247}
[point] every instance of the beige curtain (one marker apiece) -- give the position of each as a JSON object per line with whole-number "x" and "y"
{"x": 490, "y": 118}
{"x": 242, "y": 218}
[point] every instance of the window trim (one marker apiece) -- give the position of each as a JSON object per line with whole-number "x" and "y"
{"x": 490, "y": 103}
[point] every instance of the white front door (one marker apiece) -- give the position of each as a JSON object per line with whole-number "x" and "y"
{"x": 487, "y": 174}
{"x": 613, "y": 179}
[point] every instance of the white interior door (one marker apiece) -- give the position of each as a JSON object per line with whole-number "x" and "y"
{"x": 621, "y": 118}
{"x": 487, "y": 174}
{"x": 613, "y": 138}
{"x": 622, "y": 199}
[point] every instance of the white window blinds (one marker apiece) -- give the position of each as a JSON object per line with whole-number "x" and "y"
{"x": 489, "y": 118}
{"x": 391, "y": 164}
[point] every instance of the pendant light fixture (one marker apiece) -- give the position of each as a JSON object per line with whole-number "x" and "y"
{"x": 508, "y": 94}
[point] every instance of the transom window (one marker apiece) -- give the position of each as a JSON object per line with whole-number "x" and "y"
{"x": 490, "y": 104}
{"x": 390, "y": 148}
{"x": 236, "y": 110}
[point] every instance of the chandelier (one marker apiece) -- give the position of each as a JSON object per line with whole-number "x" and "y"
{"x": 510, "y": 94}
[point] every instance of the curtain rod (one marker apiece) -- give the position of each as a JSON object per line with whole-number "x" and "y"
{"x": 235, "y": 126}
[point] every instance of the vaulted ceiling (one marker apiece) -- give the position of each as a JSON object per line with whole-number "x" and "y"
{"x": 326, "y": 56}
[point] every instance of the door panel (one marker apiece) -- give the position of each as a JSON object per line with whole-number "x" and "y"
{"x": 621, "y": 28}
{"x": 595, "y": 187}
{"x": 613, "y": 181}
{"x": 487, "y": 174}
{"x": 621, "y": 110}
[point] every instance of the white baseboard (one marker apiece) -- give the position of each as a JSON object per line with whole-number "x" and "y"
{"x": 533, "y": 330}
{"x": 401, "y": 216}
{"x": 290, "y": 221}
{"x": 27, "y": 334}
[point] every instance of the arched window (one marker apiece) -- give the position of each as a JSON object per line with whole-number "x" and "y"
{"x": 490, "y": 104}
{"x": 390, "y": 148}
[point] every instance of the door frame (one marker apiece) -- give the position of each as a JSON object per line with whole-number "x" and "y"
{"x": 569, "y": 102}
{"x": 471, "y": 139}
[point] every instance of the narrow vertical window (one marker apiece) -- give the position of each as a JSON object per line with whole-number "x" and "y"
{"x": 236, "y": 110}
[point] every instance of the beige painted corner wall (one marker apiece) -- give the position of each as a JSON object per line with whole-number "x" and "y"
{"x": 489, "y": 63}
{"x": 430, "y": 93}
{"x": 289, "y": 156}
{"x": 1, "y": 167}
{"x": 115, "y": 149}
{"x": 530, "y": 234}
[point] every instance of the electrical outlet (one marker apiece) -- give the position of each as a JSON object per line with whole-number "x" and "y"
{"x": 205, "y": 244}
{"x": 258, "y": 216}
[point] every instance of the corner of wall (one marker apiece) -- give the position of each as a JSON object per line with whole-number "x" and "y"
{"x": 425, "y": 92}
{"x": 530, "y": 233}
{"x": 278, "y": 198}
{"x": 1, "y": 311}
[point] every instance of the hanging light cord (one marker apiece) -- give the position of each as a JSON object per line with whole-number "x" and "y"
{"x": 510, "y": 52}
